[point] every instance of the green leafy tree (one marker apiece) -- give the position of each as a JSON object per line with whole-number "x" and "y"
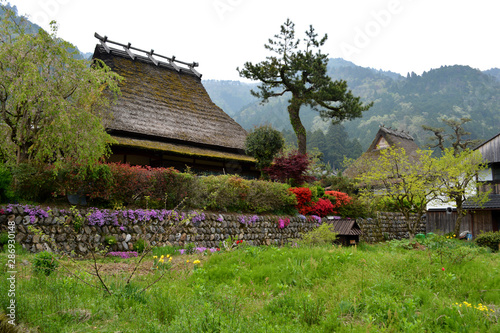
{"x": 302, "y": 72}
{"x": 457, "y": 175}
{"x": 408, "y": 183}
{"x": 263, "y": 143}
{"x": 53, "y": 107}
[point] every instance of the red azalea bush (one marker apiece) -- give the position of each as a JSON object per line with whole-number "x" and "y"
{"x": 306, "y": 204}
{"x": 339, "y": 199}
{"x": 304, "y": 196}
{"x": 322, "y": 207}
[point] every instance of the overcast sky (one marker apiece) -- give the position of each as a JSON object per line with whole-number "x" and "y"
{"x": 396, "y": 35}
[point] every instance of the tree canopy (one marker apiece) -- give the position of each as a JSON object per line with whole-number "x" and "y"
{"x": 263, "y": 143}
{"x": 302, "y": 72}
{"x": 405, "y": 183}
{"x": 53, "y": 107}
{"x": 458, "y": 171}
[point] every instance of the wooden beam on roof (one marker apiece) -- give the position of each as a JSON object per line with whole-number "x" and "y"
{"x": 127, "y": 49}
{"x": 192, "y": 66}
{"x": 171, "y": 62}
{"x": 150, "y": 56}
{"x": 103, "y": 40}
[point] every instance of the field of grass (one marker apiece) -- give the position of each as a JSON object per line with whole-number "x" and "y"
{"x": 371, "y": 288}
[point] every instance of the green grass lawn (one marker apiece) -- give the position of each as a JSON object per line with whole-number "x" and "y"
{"x": 374, "y": 288}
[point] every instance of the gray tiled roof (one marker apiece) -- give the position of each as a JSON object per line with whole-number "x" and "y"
{"x": 493, "y": 202}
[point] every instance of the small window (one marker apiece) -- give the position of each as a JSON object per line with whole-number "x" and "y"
{"x": 495, "y": 169}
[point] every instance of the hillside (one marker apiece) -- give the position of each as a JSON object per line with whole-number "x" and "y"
{"x": 405, "y": 103}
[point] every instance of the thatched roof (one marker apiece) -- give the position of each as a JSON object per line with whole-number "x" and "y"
{"x": 163, "y": 103}
{"x": 385, "y": 138}
{"x": 182, "y": 149}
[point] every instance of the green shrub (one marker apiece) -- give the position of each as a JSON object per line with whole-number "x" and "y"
{"x": 270, "y": 197}
{"x": 235, "y": 194}
{"x": 4, "y": 238}
{"x": 34, "y": 184}
{"x": 6, "y": 193}
{"x": 322, "y": 235}
{"x": 140, "y": 245}
{"x": 110, "y": 240}
{"x": 226, "y": 193}
{"x": 489, "y": 239}
{"x": 44, "y": 263}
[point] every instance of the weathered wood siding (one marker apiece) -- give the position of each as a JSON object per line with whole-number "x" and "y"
{"x": 442, "y": 222}
{"x": 491, "y": 150}
{"x": 481, "y": 221}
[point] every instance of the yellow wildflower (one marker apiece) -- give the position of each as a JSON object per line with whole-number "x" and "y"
{"x": 161, "y": 260}
{"x": 162, "y": 256}
{"x": 187, "y": 260}
{"x": 155, "y": 257}
{"x": 168, "y": 255}
{"x": 196, "y": 262}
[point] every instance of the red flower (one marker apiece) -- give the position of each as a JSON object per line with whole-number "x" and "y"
{"x": 442, "y": 269}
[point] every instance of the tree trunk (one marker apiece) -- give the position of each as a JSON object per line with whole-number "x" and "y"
{"x": 299, "y": 129}
{"x": 460, "y": 215}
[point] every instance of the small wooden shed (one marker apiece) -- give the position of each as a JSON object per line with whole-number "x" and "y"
{"x": 348, "y": 230}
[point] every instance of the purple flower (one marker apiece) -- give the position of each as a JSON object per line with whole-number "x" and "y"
{"x": 220, "y": 219}
{"x": 182, "y": 251}
{"x": 123, "y": 255}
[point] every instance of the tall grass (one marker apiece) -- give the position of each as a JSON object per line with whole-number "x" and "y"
{"x": 270, "y": 289}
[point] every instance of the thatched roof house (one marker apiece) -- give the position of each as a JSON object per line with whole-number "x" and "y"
{"x": 165, "y": 117}
{"x": 385, "y": 138}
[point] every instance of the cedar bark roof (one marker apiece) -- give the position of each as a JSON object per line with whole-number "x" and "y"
{"x": 160, "y": 101}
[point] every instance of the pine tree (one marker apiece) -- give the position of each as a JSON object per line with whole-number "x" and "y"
{"x": 302, "y": 73}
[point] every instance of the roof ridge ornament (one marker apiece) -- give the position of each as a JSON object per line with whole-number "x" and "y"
{"x": 128, "y": 48}
{"x": 150, "y": 56}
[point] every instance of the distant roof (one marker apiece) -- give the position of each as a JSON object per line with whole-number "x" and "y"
{"x": 385, "y": 138}
{"x": 493, "y": 202}
{"x": 168, "y": 102}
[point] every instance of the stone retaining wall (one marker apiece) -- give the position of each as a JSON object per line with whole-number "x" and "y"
{"x": 206, "y": 230}
{"x": 387, "y": 226}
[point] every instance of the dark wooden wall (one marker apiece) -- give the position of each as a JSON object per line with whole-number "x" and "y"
{"x": 476, "y": 221}
{"x": 440, "y": 221}
{"x": 481, "y": 221}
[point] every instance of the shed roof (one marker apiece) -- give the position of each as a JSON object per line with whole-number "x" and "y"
{"x": 346, "y": 227}
{"x": 161, "y": 101}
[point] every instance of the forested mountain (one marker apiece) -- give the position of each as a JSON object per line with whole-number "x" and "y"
{"x": 33, "y": 28}
{"x": 231, "y": 96}
{"x": 405, "y": 103}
